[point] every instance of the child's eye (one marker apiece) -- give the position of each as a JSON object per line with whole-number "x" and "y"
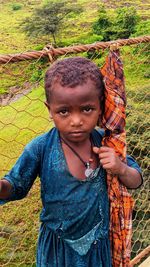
{"x": 63, "y": 112}
{"x": 87, "y": 109}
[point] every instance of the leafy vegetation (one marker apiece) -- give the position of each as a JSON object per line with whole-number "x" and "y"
{"x": 76, "y": 29}
{"x": 16, "y": 6}
{"x": 122, "y": 25}
{"x": 142, "y": 28}
{"x": 103, "y": 24}
{"x": 49, "y": 19}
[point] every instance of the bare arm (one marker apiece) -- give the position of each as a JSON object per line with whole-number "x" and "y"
{"x": 129, "y": 176}
{"x": 5, "y": 189}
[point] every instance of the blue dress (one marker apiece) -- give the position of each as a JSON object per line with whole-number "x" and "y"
{"x": 74, "y": 228}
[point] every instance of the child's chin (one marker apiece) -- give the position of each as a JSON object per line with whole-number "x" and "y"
{"x": 77, "y": 137}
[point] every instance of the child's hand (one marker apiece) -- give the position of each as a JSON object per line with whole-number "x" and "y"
{"x": 5, "y": 189}
{"x": 109, "y": 160}
{"x": 129, "y": 176}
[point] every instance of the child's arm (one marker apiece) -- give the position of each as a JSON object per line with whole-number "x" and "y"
{"x": 5, "y": 189}
{"x": 129, "y": 176}
{"x": 17, "y": 182}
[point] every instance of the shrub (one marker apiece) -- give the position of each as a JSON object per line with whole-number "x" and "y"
{"x": 126, "y": 21}
{"x": 122, "y": 25}
{"x": 103, "y": 23}
{"x": 142, "y": 28}
{"x": 16, "y": 6}
{"x": 49, "y": 19}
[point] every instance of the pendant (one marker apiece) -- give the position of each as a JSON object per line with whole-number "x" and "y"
{"x": 88, "y": 170}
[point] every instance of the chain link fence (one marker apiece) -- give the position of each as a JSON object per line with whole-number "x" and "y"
{"x": 23, "y": 116}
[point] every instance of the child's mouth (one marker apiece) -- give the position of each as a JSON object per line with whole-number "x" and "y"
{"x": 77, "y": 134}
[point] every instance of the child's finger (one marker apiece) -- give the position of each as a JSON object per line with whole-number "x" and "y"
{"x": 96, "y": 149}
{"x": 104, "y": 155}
{"x": 104, "y": 161}
{"x": 105, "y": 149}
{"x": 101, "y": 149}
{"x": 107, "y": 166}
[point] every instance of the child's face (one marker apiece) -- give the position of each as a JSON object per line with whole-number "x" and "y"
{"x": 75, "y": 111}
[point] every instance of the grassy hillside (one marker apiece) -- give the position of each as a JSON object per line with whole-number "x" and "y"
{"x": 14, "y": 40}
{"x": 77, "y": 30}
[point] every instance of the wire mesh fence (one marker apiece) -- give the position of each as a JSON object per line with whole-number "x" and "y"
{"x": 23, "y": 116}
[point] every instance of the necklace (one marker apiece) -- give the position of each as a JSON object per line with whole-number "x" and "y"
{"x": 88, "y": 171}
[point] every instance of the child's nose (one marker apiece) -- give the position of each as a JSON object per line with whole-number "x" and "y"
{"x": 76, "y": 120}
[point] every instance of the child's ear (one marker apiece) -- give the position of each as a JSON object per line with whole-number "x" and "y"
{"x": 99, "y": 122}
{"x": 49, "y": 109}
{"x": 47, "y": 105}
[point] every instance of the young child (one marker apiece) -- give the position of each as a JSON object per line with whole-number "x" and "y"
{"x": 75, "y": 215}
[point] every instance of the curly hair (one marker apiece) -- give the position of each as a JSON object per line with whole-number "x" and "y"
{"x": 72, "y": 72}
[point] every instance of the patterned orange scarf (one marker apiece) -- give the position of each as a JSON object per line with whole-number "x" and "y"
{"x": 121, "y": 202}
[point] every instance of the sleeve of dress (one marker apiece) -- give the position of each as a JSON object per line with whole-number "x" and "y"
{"x": 131, "y": 162}
{"x": 23, "y": 173}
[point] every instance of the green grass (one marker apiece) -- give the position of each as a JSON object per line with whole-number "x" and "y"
{"x": 14, "y": 40}
{"x": 19, "y": 222}
{"x": 77, "y": 30}
{"x": 20, "y": 122}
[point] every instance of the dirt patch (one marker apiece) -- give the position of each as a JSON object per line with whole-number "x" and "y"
{"x": 15, "y": 93}
{"x": 115, "y": 4}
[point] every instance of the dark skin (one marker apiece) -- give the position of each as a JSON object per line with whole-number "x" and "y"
{"x": 78, "y": 110}
{"x": 75, "y": 112}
